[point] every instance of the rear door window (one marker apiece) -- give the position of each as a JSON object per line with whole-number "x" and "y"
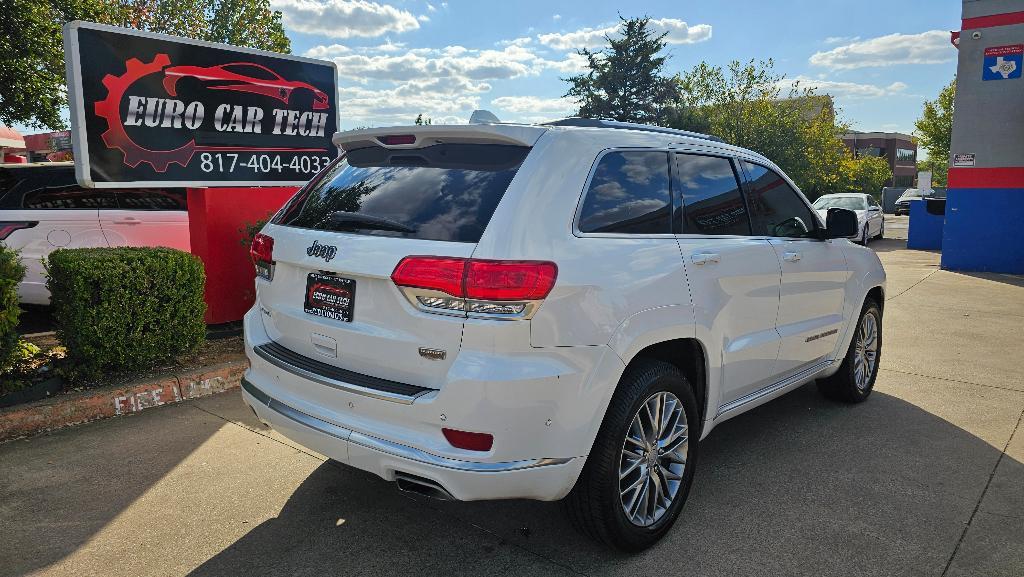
{"x": 628, "y": 194}
{"x": 72, "y": 197}
{"x": 711, "y": 198}
{"x": 441, "y": 192}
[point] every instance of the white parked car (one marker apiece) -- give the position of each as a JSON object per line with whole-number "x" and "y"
{"x": 42, "y": 209}
{"x": 550, "y": 311}
{"x": 870, "y": 219}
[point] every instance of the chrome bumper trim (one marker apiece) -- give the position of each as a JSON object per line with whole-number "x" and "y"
{"x": 390, "y": 447}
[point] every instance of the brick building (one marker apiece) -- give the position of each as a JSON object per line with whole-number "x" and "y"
{"x": 899, "y": 150}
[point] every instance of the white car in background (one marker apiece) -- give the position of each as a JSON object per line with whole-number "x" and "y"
{"x": 42, "y": 208}
{"x": 553, "y": 311}
{"x": 870, "y": 219}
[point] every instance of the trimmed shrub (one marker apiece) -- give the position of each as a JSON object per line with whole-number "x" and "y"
{"x": 11, "y": 274}
{"x": 125, "y": 308}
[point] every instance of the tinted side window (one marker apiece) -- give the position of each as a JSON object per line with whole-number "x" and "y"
{"x": 776, "y": 209}
{"x": 152, "y": 199}
{"x": 712, "y": 203}
{"x": 68, "y": 198}
{"x": 629, "y": 193}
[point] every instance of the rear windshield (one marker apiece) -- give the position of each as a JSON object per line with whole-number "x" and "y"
{"x": 441, "y": 192}
{"x": 847, "y": 202}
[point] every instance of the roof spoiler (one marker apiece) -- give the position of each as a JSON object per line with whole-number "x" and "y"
{"x": 404, "y": 137}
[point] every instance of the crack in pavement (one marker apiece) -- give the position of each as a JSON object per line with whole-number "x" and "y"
{"x": 981, "y": 498}
{"x": 906, "y": 290}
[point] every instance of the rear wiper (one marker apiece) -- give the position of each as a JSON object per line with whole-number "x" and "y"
{"x": 343, "y": 219}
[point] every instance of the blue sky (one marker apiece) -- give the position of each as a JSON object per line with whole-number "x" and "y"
{"x": 879, "y": 60}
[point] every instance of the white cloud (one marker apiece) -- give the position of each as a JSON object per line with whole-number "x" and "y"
{"x": 845, "y": 90}
{"x": 361, "y": 106}
{"x": 556, "y": 17}
{"x": 533, "y": 105}
{"x": 452, "y": 62}
{"x": 841, "y": 39}
{"x": 930, "y": 47}
{"x": 431, "y": 8}
{"x": 344, "y": 18}
{"x": 679, "y": 32}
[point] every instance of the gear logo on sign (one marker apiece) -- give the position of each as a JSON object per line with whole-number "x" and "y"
{"x": 116, "y": 137}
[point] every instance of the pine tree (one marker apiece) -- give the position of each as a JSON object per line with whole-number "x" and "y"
{"x": 624, "y": 81}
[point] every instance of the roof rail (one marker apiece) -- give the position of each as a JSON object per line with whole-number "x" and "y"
{"x": 603, "y": 123}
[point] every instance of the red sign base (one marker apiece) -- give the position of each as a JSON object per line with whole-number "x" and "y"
{"x": 217, "y": 219}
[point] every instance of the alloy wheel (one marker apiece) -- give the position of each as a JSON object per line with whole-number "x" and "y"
{"x": 866, "y": 352}
{"x": 653, "y": 459}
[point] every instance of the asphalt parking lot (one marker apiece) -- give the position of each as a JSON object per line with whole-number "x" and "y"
{"x": 926, "y": 478}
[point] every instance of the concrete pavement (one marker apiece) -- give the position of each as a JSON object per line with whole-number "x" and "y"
{"x": 926, "y": 478}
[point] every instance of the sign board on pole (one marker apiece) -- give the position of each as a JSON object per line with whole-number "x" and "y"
{"x": 924, "y": 180}
{"x": 155, "y": 110}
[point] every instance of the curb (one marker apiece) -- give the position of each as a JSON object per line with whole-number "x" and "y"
{"x": 106, "y": 402}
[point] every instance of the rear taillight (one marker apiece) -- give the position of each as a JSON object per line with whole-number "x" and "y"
{"x": 7, "y": 227}
{"x": 262, "y": 253}
{"x": 469, "y": 441}
{"x": 488, "y": 288}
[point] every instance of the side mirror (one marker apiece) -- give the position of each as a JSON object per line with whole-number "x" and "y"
{"x": 841, "y": 223}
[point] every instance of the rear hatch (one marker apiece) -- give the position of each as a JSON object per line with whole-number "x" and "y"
{"x": 337, "y": 242}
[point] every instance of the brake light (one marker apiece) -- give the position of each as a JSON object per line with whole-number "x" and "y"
{"x": 7, "y": 227}
{"x": 431, "y": 272}
{"x": 469, "y": 441}
{"x": 395, "y": 139}
{"x": 515, "y": 280}
{"x": 493, "y": 288}
{"x": 262, "y": 253}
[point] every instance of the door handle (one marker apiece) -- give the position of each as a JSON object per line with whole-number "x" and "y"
{"x": 791, "y": 256}
{"x": 127, "y": 220}
{"x": 705, "y": 258}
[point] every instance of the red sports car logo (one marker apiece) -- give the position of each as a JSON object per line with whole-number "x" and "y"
{"x": 243, "y": 77}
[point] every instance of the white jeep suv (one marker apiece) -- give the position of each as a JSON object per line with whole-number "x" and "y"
{"x": 550, "y": 311}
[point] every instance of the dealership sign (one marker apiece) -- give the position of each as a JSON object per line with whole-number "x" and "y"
{"x": 155, "y": 110}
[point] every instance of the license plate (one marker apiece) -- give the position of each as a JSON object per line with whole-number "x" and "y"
{"x": 330, "y": 296}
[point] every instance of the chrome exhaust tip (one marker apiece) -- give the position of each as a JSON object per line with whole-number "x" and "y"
{"x": 415, "y": 484}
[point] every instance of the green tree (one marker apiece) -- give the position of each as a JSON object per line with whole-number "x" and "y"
{"x": 624, "y": 82}
{"x": 867, "y": 174}
{"x": 32, "y": 83}
{"x": 749, "y": 105}
{"x": 32, "y": 87}
{"x": 934, "y": 131}
{"x": 420, "y": 121}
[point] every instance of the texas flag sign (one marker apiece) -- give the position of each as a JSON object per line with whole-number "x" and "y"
{"x": 1003, "y": 62}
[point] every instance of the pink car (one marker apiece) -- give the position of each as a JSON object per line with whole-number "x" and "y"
{"x": 243, "y": 77}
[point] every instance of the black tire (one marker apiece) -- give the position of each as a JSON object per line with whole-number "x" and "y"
{"x": 843, "y": 386}
{"x": 864, "y": 235}
{"x": 594, "y": 506}
{"x": 881, "y": 230}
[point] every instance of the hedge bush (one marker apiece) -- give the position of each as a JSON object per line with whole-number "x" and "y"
{"x": 11, "y": 274}
{"x": 125, "y": 308}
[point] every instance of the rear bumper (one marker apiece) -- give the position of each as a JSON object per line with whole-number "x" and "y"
{"x": 542, "y": 406}
{"x": 543, "y": 479}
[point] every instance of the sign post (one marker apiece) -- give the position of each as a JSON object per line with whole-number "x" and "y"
{"x": 239, "y": 128}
